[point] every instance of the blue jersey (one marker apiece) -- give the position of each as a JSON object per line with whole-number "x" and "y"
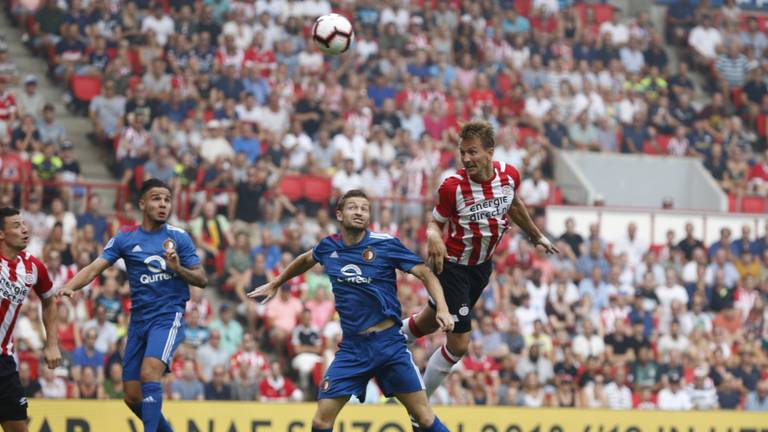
{"x": 364, "y": 278}
{"x": 155, "y": 289}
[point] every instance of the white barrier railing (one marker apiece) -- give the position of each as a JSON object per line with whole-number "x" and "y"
{"x": 653, "y": 224}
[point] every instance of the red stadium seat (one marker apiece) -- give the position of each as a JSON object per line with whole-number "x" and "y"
{"x": 317, "y": 189}
{"x": 291, "y": 187}
{"x": 603, "y": 12}
{"x": 84, "y": 88}
{"x": 752, "y": 204}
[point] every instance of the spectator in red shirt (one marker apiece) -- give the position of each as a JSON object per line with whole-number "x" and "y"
{"x": 277, "y": 388}
{"x": 7, "y": 103}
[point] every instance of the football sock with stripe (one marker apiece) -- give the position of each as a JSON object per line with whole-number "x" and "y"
{"x": 438, "y": 367}
{"x": 410, "y": 330}
{"x": 151, "y": 405}
{"x": 163, "y": 426}
{"x": 437, "y": 426}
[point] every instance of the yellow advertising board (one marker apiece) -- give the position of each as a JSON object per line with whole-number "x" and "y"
{"x": 113, "y": 416}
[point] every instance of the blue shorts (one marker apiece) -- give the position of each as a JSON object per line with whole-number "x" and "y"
{"x": 157, "y": 338}
{"x": 382, "y": 355}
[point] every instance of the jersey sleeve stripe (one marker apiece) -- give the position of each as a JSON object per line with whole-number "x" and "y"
{"x": 438, "y": 217}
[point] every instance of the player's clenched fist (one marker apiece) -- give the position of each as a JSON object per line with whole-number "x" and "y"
{"x": 264, "y": 293}
{"x": 52, "y": 356}
{"x": 172, "y": 259}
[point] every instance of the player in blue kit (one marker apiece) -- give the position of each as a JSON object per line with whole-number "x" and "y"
{"x": 361, "y": 265}
{"x": 161, "y": 263}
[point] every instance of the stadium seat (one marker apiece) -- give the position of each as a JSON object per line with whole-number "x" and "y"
{"x": 732, "y": 203}
{"x": 317, "y": 189}
{"x": 84, "y": 88}
{"x": 752, "y": 204}
{"x": 291, "y": 187}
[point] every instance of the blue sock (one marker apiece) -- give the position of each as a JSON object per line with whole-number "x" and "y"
{"x": 163, "y": 426}
{"x": 437, "y": 426}
{"x": 152, "y": 406}
{"x": 317, "y": 429}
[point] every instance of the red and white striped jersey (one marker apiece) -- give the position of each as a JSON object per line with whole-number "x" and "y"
{"x": 476, "y": 212}
{"x": 17, "y": 277}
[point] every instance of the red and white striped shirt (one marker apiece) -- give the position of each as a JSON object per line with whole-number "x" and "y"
{"x": 476, "y": 212}
{"x": 17, "y": 276}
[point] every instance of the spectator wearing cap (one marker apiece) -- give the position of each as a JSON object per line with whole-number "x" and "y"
{"x": 231, "y": 331}
{"x": 29, "y": 100}
{"x": 672, "y": 397}
{"x": 106, "y": 112}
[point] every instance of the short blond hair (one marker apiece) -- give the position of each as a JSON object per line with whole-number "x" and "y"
{"x": 481, "y": 130}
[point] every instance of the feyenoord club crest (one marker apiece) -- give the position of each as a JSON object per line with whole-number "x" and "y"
{"x": 369, "y": 254}
{"x": 169, "y": 245}
{"x": 325, "y": 385}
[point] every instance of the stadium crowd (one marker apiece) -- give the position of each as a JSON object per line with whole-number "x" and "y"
{"x": 231, "y": 96}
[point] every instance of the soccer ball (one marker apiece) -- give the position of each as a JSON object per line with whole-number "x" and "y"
{"x": 333, "y": 34}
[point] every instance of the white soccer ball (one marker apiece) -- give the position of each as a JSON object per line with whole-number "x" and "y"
{"x": 333, "y": 34}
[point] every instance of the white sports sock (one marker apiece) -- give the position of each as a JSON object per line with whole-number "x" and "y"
{"x": 438, "y": 367}
{"x": 408, "y": 327}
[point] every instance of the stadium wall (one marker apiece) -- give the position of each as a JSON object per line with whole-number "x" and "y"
{"x": 652, "y": 224}
{"x": 638, "y": 180}
{"x": 113, "y": 416}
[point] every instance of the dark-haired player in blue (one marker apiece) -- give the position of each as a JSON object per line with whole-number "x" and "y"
{"x": 161, "y": 263}
{"x": 361, "y": 265}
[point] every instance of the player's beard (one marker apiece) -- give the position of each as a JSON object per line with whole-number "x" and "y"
{"x": 353, "y": 228}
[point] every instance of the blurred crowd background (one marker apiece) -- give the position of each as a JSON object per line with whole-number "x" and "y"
{"x": 230, "y": 103}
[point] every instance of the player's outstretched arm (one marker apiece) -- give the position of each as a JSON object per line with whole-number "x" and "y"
{"x": 50, "y": 322}
{"x": 436, "y": 250}
{"x": 302, "y": 264}
{"x": 435, "y": 290}
{"x": 520, "y": 216}
{"x": 83, "y": 277}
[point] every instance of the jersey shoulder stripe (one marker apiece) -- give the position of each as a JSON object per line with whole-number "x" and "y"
{"x": 380, "y": 235}
{"x": 175, "y": 228}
